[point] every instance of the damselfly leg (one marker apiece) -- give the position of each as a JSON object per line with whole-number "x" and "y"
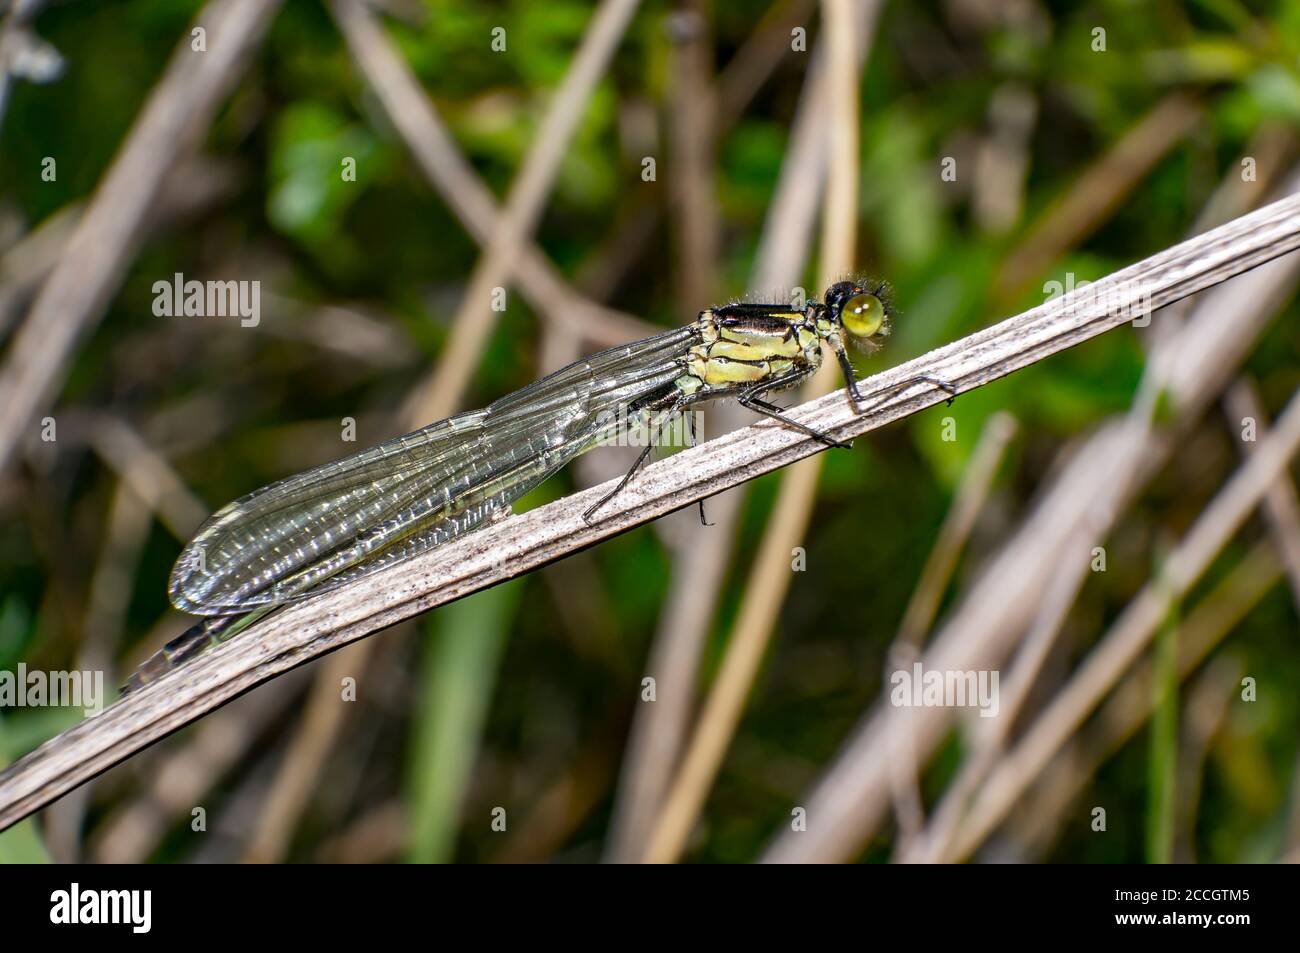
{"x": 885, "y": 394}
{"x": 752, "y": 399}
{"x": 688, "y": 430}
{"x": 678, "y": 403}
{"x": 627, "y": 478}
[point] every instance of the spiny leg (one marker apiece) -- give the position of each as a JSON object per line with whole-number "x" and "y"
{"x": 627, "y": 477}
{"x": 885, "y": 394}
{"x": 850, "y": 379}
{"x": 754, "y": 402}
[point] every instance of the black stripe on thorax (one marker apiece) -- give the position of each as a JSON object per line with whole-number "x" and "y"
{"x": 746, "y": 310}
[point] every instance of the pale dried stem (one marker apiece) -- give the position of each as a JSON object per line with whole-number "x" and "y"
{"x": 699, "y": 565}
{"x": 988, "y": 738}
{"x": 967, "y": 504}
{"x": 507, "y": 250}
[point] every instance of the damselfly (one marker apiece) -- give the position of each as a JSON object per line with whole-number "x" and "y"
{"x": 336, "y": 523}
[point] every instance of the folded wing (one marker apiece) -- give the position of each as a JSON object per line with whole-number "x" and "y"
{"x": 343, "y": 520}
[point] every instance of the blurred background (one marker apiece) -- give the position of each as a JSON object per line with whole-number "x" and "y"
{"x": 996, "y": 154}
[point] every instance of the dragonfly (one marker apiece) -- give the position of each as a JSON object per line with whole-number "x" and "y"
{"x": 331, "y": 525}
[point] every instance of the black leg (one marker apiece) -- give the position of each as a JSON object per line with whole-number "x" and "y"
{"x": 668, "y": 412}
{"x": 688, "y": 429}
{"x": 883, "y": 395}
{"x": 850, "y": 379}
{"x": 627, "y": 478}
{"x": 755, "y": 403}
{"x": 850, "y": 375}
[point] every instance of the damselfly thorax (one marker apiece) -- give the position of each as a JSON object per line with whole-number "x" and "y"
{"x": 747, "y": 344}
{"x": 738, "y": 349}
{"x": 333, "y": 524}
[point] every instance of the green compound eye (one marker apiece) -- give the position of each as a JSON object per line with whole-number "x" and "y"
{"x": 863, "y": 315}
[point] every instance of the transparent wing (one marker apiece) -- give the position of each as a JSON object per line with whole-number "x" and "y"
{"x": 337, "y": 522}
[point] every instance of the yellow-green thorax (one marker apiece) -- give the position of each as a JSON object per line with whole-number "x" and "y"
{"x": 743, "y": 345}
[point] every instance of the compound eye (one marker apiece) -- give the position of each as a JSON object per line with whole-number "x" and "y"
{"x": 863, "y": 315}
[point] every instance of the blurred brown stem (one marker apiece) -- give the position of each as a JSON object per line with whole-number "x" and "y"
{"x": 450, "y": 173}
{"x": 109, "y": 232}
{"x": 1098, "y": 191}
{"x": 1133, "y": 630}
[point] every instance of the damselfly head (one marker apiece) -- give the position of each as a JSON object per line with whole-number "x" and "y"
{"x": 863, "y": 309}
